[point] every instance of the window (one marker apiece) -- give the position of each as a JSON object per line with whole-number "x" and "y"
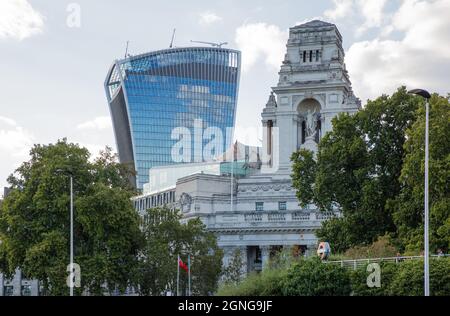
{"x": 282, "y": 206}
{"x": 8, "y": 290}
{"x": 304, "y": 56}
{"x": 26, "y": 290}
{"x": 259, "y": 206}
{"x": 317, "y": 55}
{"x": 310, "y": 56}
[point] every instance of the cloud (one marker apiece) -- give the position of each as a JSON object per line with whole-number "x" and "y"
{"x": 99, "y": 123}
{"x": 15, "y": 141}
{"x": 208, "y": 17}
{"x": 342, "y": 8}
{"x": 261, "y": 41}
{"x": 419, "y": 59}
{"x": 15, "y": 144}
{"x": 94, "y": 149}
{"x": 372, "y": 12}
{"x": 18, "y": 20}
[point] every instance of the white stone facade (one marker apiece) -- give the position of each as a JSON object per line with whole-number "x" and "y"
{"x": 261, "y": 213}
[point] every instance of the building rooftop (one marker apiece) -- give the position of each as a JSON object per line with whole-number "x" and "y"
{"x": 314, "y": 23}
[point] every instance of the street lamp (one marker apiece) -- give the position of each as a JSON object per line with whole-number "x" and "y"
{"x": 71, "y": 229}
{"x": 426, "y": 95}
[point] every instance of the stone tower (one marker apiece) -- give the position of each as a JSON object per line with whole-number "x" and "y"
{"x": 313, "y": 87}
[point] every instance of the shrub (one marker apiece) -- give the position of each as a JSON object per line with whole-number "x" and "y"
{"x": 382, "y": 248}
{"x": 267, "y": 283}
{"x": 359, "y": 280}
{"x": 311, "y": 277}
{"x": 409, "y": 279}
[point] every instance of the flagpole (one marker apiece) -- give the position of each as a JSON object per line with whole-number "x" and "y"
{"x": 178, "y": 276}
{"x": 189, "y": 273}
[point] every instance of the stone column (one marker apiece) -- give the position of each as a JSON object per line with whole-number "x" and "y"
{"x": 2, "y": 278}
{"x": 265, "y": 255}
{"x": 244, "y": 255}
{"x": 17, "y": 283}
{"x": 34, "y": 288}
{"x": 227, "y": 254}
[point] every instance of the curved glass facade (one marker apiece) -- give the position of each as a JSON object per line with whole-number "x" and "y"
{"x": 152, "y": 94}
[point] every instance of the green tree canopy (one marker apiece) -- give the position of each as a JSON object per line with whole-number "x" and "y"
{"x": 166, "y": 237}
{"x": 35, "y": 221}
{"x": 408, "y": 205}
{"x": 357, "y": 170}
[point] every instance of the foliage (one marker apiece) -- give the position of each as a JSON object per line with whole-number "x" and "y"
{"x": 232, "y": 273}
{"x": 408, "y": 206}
{"x": 166, "y": 238}
{"x": 382, "y": 248}
{"x": 34, "y": 220}
{"x": 409, "y": 281}
{"x": 359, "y": 276}
{"x": 357, "y": 170}
{"x": 304, "y": 169}
{"x": 269, "y": 282}
{"x": 311, "y": 277}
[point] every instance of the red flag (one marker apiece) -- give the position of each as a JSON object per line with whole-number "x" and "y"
{"x": 183, "y": 265}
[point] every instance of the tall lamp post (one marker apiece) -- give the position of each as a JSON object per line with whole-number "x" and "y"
{"x": 426, "y": 95}
{"x": 71, "y": 230}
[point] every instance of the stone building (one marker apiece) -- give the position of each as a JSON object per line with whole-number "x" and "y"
{"x": 259, "y": 213}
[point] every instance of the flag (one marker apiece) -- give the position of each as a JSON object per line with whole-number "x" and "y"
{"x": 182, "y": 265}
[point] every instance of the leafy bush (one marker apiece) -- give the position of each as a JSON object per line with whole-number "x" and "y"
{"x": 408, "y": 281}
{"x": 313, "y": 278}
{"x": 267, "y": 283}
{"x": 359, "y": 280}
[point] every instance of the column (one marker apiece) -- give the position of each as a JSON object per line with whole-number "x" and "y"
{"x": 244, "y": 255}
{"x": 265, "y": 255}
{"x": 34, "y": 288}
{"x": 17, "y": 283}
{"x": 2, "y": 278}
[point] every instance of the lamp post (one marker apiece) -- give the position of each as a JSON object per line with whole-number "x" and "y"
{"x": 71, "y": 231}
{"x": 426, "y": 95}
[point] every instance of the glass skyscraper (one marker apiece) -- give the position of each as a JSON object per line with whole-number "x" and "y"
{"x": 152, "y": 94}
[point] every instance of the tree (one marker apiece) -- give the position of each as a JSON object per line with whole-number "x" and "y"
{"x": 382, "y": 248}
{"x": 408, "y": 206}
{"x": 408, "y": 280}
{"x": 232, "y": 273}
{"x": 34, "y": 220}
{"x": 358, "y": 278}
{"x": 357, "y": 170}
{"x": 166, "y": 238}
{"x": 311, "y": 277}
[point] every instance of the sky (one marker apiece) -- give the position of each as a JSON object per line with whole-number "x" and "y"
{"x": 54, "y": 56}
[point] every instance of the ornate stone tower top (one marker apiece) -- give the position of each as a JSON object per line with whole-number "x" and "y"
{"x": 315, "y": 56}
{"x": 313, "y": 87}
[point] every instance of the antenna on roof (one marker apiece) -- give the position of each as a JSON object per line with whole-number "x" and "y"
{"x": 173, "y": 37}
{"x": 218, "y": 45}
{"x": 126, "y": 49}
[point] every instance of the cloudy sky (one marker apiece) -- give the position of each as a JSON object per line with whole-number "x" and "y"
{"x": 54, "y": 55}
